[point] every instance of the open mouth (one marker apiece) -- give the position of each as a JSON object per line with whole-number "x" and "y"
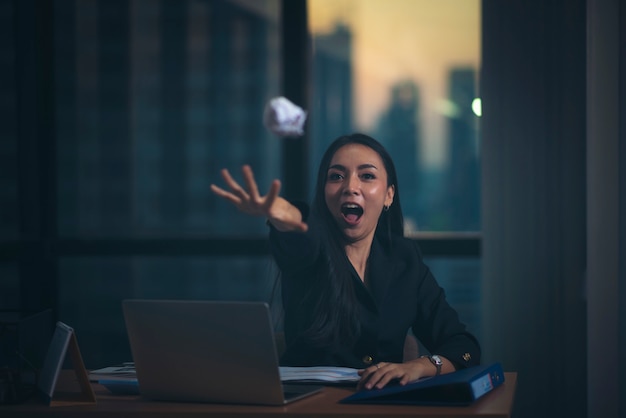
{"x": 351, "y": 212}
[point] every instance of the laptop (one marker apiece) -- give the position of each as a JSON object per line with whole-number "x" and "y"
{"x": 207, "y": 351}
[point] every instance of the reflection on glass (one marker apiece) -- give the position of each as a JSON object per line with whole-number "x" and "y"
{"x": 10, "y": 292}
{"x": 153, "y": 99}
{"x": 405, "y": 71}
{"x": 91, "y": 291}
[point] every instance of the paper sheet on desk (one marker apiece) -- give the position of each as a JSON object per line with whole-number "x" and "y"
{"x": 319, "y": 374}
{"x": 122, "y": 372}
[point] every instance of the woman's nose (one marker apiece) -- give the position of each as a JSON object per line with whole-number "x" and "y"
{"x": 352, "y": 184}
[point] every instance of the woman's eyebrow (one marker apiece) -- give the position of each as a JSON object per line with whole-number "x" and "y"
{"x": 337, "y": 167}
{"x": 368, "y": 165}
{"x": 361, "y": 167}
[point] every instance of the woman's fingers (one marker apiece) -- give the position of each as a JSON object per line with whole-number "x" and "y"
{"x": 272, "y": 194}
{"x": 265, "y": 202}
{"x": 367, "y": 377}
{"x": 283, "y": 215}
{"x": 379, "y": 375}
{"x": 225, "y": 194}
{"x": 248, "y": 199}
{"x": 234, "y": 186}
{"x": 302, "y": 227}
{"x": 387, "y": 376}
{"x": 248, "y": 177}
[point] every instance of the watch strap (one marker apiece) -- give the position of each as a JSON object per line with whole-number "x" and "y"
{"x": 436, "y": 361}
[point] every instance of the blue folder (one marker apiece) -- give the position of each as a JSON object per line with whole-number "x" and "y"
{"x": 460, "y": 388}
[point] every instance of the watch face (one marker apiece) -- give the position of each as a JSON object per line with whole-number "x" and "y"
{"x": 437, "y": 360}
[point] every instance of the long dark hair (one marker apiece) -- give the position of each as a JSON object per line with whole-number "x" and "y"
{"x": 335, "y": 316}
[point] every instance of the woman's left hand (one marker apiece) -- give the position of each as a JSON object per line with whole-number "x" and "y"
{"x": 379, "y": 375}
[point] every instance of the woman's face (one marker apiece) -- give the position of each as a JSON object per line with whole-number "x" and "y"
{"x": 356, "y": 190}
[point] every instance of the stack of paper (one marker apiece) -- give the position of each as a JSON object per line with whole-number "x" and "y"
{"x": 319, "y": 374}
{"x": 124, "y": 371}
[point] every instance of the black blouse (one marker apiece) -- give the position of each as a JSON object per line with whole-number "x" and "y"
{"x": 402, "y": 294}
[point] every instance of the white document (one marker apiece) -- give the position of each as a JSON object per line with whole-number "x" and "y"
{"x": 319, "y": 374}
{"x": 125, "y": 371}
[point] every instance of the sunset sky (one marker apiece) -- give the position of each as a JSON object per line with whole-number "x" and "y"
{"x": 396, "y": 40}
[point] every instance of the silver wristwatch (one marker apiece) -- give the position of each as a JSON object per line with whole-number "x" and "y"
{"x": 436, "y": 360}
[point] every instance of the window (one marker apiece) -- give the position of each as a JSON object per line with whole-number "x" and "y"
{"x": 92, "y": 288}
{"x": 145, "y": 101}
{"x": 405, "y": 72}
{"x": 153, "y": 99}
{"x": 9, "y": 218}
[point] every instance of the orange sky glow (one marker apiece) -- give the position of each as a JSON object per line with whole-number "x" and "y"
{"x": 398, "y": 40}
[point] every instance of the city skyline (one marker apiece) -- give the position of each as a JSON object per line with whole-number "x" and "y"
{"x": 441, "y": 35}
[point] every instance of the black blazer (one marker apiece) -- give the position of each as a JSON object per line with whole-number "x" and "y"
{"x": 402, "y": 295}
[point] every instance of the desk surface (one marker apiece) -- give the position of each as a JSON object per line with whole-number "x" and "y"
{"x": 496, "y": 404}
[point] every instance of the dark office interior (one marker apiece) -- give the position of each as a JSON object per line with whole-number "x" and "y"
{"x": 117, "y": 116}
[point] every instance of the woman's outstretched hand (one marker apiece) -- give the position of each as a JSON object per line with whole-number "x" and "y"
{"x": 282, "y": 214}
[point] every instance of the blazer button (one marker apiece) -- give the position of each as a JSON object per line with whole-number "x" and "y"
{"x": 367, "y": 359}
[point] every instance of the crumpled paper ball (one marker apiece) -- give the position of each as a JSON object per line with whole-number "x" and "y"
{"x": 283, "y": 118}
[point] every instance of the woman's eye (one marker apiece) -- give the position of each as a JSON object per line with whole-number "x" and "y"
{"x": 334, "y": 176}
{"x": 368, "y": 176}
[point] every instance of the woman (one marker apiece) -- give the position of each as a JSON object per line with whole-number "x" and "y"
{"x": 352, "y": 285}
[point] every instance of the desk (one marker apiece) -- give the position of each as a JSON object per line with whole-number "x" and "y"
{"x": 497, "y": 404}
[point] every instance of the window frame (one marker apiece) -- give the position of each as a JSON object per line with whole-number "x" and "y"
{"x": 39, "y": 247}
